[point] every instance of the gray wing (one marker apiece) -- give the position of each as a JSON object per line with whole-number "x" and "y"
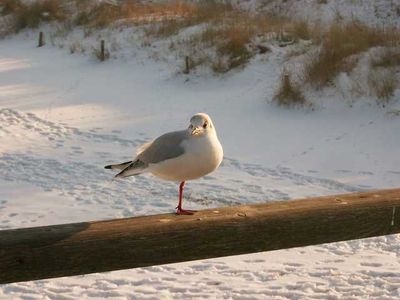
{"x": 164, "y": 147}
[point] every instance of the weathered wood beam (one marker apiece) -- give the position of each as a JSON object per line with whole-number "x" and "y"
{"x": 82, "y": 248}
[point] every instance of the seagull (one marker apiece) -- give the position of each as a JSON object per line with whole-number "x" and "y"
{"x": 178, "y": 156}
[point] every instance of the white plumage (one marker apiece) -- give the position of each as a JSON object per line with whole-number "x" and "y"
{"x": 179, "y": 155}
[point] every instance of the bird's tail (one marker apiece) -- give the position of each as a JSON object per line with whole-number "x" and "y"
{"x": 130, "y": 168}
{"x": 118, "y": 166}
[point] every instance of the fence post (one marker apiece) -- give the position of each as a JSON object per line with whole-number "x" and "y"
{"x": 187, "y": 65}
{"x": 102, "y": 53}
{"x": 41, "y": 39}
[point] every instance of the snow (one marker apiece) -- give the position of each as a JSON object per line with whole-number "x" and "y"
{"x": 63, "y": 117}
{"x": 376, "y": 12}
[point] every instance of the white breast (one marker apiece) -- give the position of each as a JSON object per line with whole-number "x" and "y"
{"x": 202, "y": 156}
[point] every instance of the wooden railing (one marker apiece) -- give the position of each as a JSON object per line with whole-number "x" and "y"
{"x": 82, "y": 248}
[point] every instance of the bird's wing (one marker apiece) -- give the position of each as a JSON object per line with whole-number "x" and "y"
{"x": 165, "y": 147}
{"x": 143, "y": 147}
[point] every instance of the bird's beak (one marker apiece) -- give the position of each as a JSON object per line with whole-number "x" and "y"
{"x": 196, "y": 131}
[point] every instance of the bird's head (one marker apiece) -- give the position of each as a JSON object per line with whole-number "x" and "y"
{"x": 201, "y": 124}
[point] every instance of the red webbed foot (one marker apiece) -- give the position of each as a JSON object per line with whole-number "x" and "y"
{"x": 180, "y": 211}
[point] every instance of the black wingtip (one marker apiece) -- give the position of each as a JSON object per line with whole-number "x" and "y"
{"x": 108, "y": 167}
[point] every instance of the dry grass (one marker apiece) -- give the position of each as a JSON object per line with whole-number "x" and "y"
{"x": 389, "y": 57}
{"x": 341, "y": 42}
{"x": 173, "y": 9}
{"x": 229, "y": 37}
{"x": 233, "y": 35}
{"x": 382, "y": 84}
{"x": 31, "y": 14}
{"x": 96, "y": 52}
{"x": 231, "y": 45}
{"x": 235, "y": 46}
{"x": 289, "y": 93}
{"x": 229, "y": 32}
{"x": 301, "y": 30}
{"x": 9, "y": 6}
{"x": 101, "y": 15}
{"x": 77, "y": 47}
{"x": 165, "y": 29}
{"x": 105, "y": 14}
{"x": 208, "y": 12}
{"x": 264, "y": 24}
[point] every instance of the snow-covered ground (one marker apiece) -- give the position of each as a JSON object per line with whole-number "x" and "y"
{"x": 63, "y": 117}
{"x": 377, "y": 12}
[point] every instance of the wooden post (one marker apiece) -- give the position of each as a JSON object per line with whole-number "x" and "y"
{"x": 102, "y": 53}
{"x": 187, "y": 65}
{"x": 41, "y": 39}
{"x": 82, "y": 248}
{"x": 286, "y": 77}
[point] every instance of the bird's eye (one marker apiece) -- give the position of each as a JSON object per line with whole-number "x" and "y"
{"x": 205, "y": 125}
{"x": 191, "y": 126}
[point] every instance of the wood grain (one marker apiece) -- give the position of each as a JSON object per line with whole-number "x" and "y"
{"x": 82, "y": 248}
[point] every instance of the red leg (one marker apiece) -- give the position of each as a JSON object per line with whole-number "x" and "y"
{"x": 179, "y": 209}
